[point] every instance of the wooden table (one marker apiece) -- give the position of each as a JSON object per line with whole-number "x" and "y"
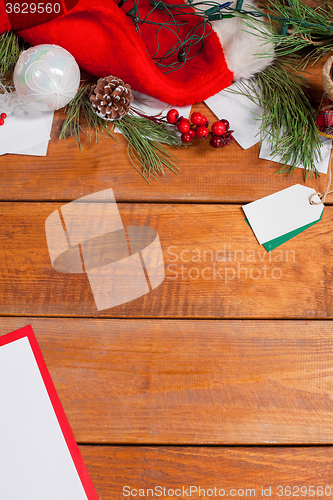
{"x": 205, "y": 381}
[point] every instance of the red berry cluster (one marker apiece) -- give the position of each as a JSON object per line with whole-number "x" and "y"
{"x": 221, "y": 135}
{"x": 3, "y": 116}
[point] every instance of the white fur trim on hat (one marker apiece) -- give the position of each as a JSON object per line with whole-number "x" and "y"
{"x": 242, "y": 45}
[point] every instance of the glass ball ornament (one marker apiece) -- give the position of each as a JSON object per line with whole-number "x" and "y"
{"x": 46, "y": 77}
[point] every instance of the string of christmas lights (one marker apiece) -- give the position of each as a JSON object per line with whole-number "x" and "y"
{"x": 206, "y": 11}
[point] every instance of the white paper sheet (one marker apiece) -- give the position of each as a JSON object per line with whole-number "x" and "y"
{"x": 242, "y": 114}
{"x": 25, "y": 131}
{"x": 35, "y": 463}
{"x": 152, "y": 106}
{"x": 282, "y": 212}
{"x": 36, "y": 150}
{"x": 322, "y": 166}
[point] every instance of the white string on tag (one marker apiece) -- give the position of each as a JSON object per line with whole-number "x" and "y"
{"x": 322, "y": 197}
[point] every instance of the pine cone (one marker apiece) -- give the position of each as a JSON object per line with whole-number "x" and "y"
{"x": 111, "y": 98}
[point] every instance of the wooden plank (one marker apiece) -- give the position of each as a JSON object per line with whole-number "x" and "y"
{"x": 190, "y": 382}
{"x": 214, "y": 267}
{"x": 207, "y": 175}
{"x": 234, "y": 470}
{"x": 226, "y": 175}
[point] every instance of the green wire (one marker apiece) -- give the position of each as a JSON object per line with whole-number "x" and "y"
{"x": 193, "y": 38}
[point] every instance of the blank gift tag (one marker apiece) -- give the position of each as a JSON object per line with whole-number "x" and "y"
{"x": 282, "y": 212}
{"x": 272, "y": 244}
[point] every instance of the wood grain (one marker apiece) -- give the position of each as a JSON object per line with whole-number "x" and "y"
{"x": 230, "y": 174}
{"x": 180, "y": 382}
{"x": 112, "y": 468}
{"x": 234, "y": 278}
{"x": 190, "y": 382}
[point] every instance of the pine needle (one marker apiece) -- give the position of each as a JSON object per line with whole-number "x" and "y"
{"x": 11, "y": 46}
{"x": 145, "y": 137}
{"x": 78, "y": 108}
{"x": 310, "y": 30}
{"x": 287, "y": 121}
{"x": 146, "y": 150}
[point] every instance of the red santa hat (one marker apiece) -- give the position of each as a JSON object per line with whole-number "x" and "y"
{"x": 104, "y": 41}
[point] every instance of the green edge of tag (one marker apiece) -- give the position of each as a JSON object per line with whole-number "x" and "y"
{"x": 272, "y": 244}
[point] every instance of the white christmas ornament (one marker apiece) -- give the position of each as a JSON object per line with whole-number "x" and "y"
{"x": 46, "y": 77}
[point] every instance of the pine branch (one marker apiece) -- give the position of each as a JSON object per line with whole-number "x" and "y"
{"x": 11, "y": 46}
{"x": 287, "y": 121}
{"x": 309, "y": 31}
{"x": 145, "y": 137}
{"x": 146, "y": 151}
{"x": 78, "y": 108}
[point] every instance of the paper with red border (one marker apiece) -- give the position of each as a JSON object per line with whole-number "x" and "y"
{"x": 25, "y": 434}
